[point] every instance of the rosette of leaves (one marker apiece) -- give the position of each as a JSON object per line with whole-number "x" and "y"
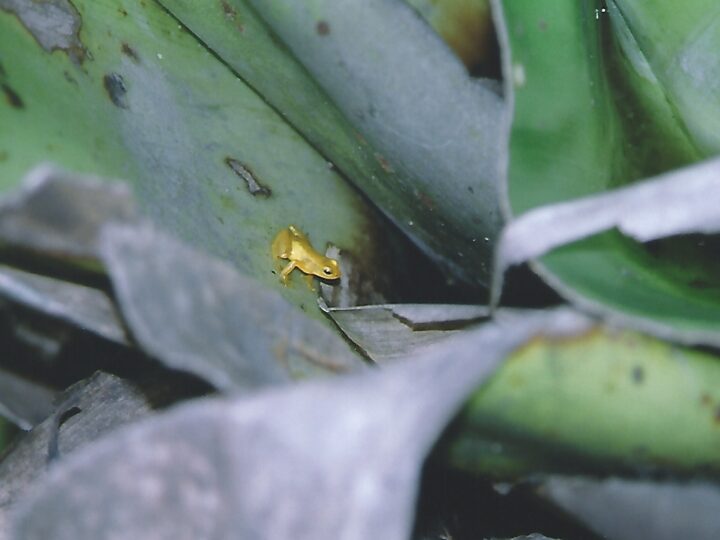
{"x": 232, "y": 120}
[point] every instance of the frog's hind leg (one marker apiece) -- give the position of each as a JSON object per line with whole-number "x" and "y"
{"x": 286, "y": 272}
{"x": 281, "y": 247}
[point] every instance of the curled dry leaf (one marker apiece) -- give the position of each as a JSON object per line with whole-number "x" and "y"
{"x": 83, "y": 413}
{"x": 243, "y": 467}
{"x": 387, "y": 332}
{"x": 60, "y": 213}
{"x": 84, "y": 307}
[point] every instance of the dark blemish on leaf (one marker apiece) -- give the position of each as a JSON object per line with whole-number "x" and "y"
{"x": 3, "y": 155}
{"x": 228, "y": 10}
{"x": 231, "y": 15}
{"x": 12, "y": 97}
{"x": 716, "y": 415}
{"x": 243, "y": 171}
{"x": 128, "y": 51}
{"x": 470, "y": 189}
{"x": 705, "y": 400}
{"x": 3, "y": 73}
{"x": 54, "y": 24}
{"x": 69, "y": 78}
{"x": 542, "y": 25}
{"x": 60, "y": 419}
{"x": 68, "y": 414}
{"x": 322, "y": 28}
{"x": 122, "y": 12}
{"x": 115, "y": 87}
{"x": 638, "y": 374}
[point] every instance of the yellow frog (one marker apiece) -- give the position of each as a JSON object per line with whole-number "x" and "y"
{"x": 293, "y": 245}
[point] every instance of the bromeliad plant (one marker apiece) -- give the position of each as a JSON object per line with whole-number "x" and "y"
{"x": 578, "y": 136}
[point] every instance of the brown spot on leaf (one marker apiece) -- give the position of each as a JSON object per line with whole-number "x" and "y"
{"x": 122, "y": 12}
{"x": 322, "y": 28}
{"x": 228, "y": 10}
{"x": 255, "y": 188}
{"x": 12, "y": 97}
{"x": 232, "y": 15}
{"x": 425, "y": 200}
{"x": 131, "y": 53}
{"x": 116, "y": 89}
{"x": 384, "y": 163}
{"x": 705, "y": 400}
{"x": 637, "y": 374}
{"x": 3, "y": 155}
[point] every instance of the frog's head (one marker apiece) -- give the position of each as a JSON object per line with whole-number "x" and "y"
{"x": 330, "y": 269}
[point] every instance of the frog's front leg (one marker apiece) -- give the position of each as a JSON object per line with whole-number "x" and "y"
{"x": 286, "y": 272}
{"x": 310, "y": 280}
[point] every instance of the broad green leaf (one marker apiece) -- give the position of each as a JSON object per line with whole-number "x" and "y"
{"x": 605, "y": 401}
{"x": 656, "y": 140}
{"x": 571, "y": 139}
{"x": 680, "y": 47}
{"x": 125, "y": 91}
{"x": 383, "y": 98}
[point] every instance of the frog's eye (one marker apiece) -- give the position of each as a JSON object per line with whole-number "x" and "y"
{"x": 327, "y": 271}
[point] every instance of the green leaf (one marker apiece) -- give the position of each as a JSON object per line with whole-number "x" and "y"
{"x": 128, "y": 92}
{"x": 383, "y": 98}
{"x": 570, "y": 139}
{"x": 605, "y": 401}
{"x": 679, "y": 45}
